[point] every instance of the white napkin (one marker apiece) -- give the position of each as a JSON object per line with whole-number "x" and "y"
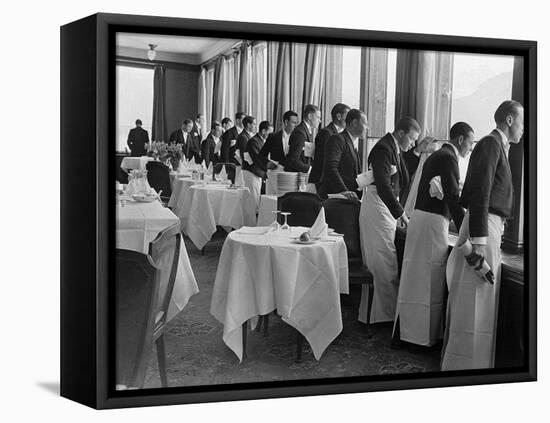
{"x": 223, "y": 174}
{"x": 253, "y": 230}
{"x": 340, "y": 196}
{"x": 239, "y": 179}
{"x": 233, "y": 142}
{"x": 203, "y": 164}
{"x": 309, "y": 149}
{"x": 436, "y": 190}
{"x": 320, "y": 227}
{"x": 393, "y": 169}
{"x": 218, "y": 147}
{"x": 210, "y": 170}
{"x": 238, "y": 156}
{"x": 364, "y": 179}
{"x": 247, "y": 158}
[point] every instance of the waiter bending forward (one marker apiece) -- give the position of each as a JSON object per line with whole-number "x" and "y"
{"x": 487, "y": 195}
{"x": 380, "y": 211}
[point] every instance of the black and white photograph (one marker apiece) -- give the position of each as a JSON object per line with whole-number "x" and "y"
{"x": 290, "y": 211}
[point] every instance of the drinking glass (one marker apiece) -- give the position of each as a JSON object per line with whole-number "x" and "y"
{"x": 285, "y": 226}
{"x": 275, "y": 226}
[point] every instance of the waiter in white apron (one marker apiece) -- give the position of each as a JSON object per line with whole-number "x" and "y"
{"x": 380, "y": 212}
{"x": 419, "y": 315}
{"x": 470, "y": 333}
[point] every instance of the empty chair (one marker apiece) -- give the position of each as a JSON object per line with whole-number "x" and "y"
{"x": 230, "y": 169}
{"x": 158, "y": 176}
{"x": 164, "y": 251}
{"x": 136, "y": 299}
{"x": 343, "y": 216}
{"x": 304, "y": 206}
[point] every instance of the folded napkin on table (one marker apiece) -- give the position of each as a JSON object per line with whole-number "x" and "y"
{"x": 223, "y": 174}
{"x": 320, "y": 227}
{"x": 436, "y": 190}
{"x": 210, "y": 170}
{"x": 239, "y": 179}
{"x": 238, "y": 156}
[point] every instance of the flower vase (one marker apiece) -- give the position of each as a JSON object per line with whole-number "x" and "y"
{"x": 175, "y": 164}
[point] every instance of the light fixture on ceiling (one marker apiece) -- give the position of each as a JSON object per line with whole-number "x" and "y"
{"x": 151, "y": 53}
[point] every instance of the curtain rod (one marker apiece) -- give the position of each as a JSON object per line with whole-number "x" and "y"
{"x": 231, "y": 51}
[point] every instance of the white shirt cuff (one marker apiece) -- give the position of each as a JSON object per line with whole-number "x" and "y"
{"x": 479, "y": 240}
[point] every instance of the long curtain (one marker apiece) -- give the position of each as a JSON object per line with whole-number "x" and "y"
{"x": 244, "y": 96}
{"x": 159, "y": 101}
{"x": 272, "y": 53}
{"x": 297, "y": 76}
{"x": 202, "y": 95}
{"x": 218, "y": 90}
{"x": 332, "y": 83}
{"x": 423, "y": 90}
{"x": 259, "y": 82}
{"x": 314, "y": 73}
{"x": 281, "y": 96}
{"x": 229, "y": 87}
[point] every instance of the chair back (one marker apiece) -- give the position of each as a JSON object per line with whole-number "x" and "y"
{"x": 158, "y": 176}
{"x": 304, "y": 206}
{"x": 136, "y": 296}
{"x": 342, "y": 215}
{"x": 230, "y": 169}
{"x": 165, "y": 251}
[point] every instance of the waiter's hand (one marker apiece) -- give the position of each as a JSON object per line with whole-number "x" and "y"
{"x": 478, "y": 249}
{"x": 350, "y": 195}
{"x": 404, "y": 220}
{"x": 271, "y": 166}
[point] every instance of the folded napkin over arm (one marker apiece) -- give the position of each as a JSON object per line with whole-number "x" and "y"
{"x": 436, "y": 189}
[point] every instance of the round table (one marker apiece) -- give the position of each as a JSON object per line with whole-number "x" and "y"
{"x": 260, "y": 271}
{"x": 179, "y": 188}
{"x": 208, "y": 205}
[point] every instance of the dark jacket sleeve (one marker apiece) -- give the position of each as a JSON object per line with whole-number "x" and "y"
{"x": 205, "y": 151}
{"x": 333, "y": 153}
{"x": 226, "y": 144}
{"x": 450, "y": 178}
{"x": 482, "y": 167}
{"x": 264, "y": 151}
{"x": 130, "y": 141}
{"x": 296, "y": 145}
{"x": 381, "y": 170}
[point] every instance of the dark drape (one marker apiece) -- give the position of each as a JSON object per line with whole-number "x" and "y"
{"x": 159, "y": 132}
{"x": 218, "y": 91}
{"x": 243, "y": 97}
{"x": 423, "y": 90}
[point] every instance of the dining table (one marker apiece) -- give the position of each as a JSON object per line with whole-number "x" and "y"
{"x": 137, "y": 224}
{"x": 210, "y": 204}
{"x": 181, "y": 182}
{"x": 262, "y": 269}
{"x": 268, "y": 204}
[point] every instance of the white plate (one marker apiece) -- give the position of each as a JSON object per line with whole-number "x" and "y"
{"x": 143, "y": 198}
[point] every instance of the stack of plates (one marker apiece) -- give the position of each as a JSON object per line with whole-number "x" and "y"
{"x": 302, "y": 178}
{"x": 287, "y": 182}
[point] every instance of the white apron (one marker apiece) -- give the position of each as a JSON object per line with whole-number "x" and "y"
{"x": 377, "y": 230}
{"x": 472, "y": 308}
{"x": 410, "y": 204}
{"x": 254, "y": 185}
{"x": 271, "y": 182}
{"x": 422, "y": 284}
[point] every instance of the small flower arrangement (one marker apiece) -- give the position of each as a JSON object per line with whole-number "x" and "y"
{"x": 157, "y": 150}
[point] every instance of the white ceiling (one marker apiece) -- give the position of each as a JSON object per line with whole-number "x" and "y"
{"x": 195, "y": 50}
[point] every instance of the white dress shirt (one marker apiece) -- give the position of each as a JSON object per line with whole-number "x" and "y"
{"x": 285, "y": 139}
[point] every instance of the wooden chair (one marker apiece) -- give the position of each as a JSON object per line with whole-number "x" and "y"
{"x": 164, "y": 251}
{"x": 343, "y": 216}
{"x": 304, "y": 206}
{"x": 136, "y": 296}
{"x": 158, "y": 176}
{"x": 230, "y": 169}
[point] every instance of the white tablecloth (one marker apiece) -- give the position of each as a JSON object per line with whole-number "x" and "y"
{"x": 179, "y": 189}
{"x": 206, "y": 206}
{"x": 137, "y": 224}
{"x": 259, "y": 273}
{"x": 268, "y": 204}
{"x": 130, "y": 163}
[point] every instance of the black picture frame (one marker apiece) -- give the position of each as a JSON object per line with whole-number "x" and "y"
{"x": 87, "y": 216}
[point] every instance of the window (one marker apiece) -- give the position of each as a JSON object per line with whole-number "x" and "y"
{"x": 351, "y": 76}
{"x": 134, "y": 100}
{"x": 480, "y": 84}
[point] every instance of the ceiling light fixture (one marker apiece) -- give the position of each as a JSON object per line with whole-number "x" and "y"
{"x": 151, "y": 53}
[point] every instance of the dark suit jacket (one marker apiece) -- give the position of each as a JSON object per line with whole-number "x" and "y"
{"x": 442, "y": 163}
{"x": 196, "y": 130}
{"x": 228, "y": 152}
{"x": 137, "y": 138}
{"x": 318, "y": 158}
{"x": 191, "y": 147}
{"x": 382, "y": 157}
{"x": 488, "y": 185}
{"x": 295, "y": 159}
{"x": 240, "y": 145}
{"x": 341, "y": 165}
{"x": 207, "y": 150}
{"x": 259, "y": 162}
{"x": 274, "y": 147}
